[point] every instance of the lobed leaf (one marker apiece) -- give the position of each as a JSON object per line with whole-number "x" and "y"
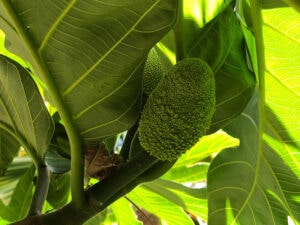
{"x": 258, "y": 183}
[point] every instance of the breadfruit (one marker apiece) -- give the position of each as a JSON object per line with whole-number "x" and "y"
{"x": 179, "y": 110}
{"x": 155, "y": 171}
{"x": 153, "y": 72}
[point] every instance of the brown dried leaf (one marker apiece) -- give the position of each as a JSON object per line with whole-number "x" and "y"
{"x": 99, "y": 164}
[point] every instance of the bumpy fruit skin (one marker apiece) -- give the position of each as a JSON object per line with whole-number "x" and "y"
{"x": 153, "y": 72}
{"x": 179, "y": 110}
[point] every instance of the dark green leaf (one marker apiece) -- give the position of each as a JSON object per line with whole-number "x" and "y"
{"x": 55, "y": 161}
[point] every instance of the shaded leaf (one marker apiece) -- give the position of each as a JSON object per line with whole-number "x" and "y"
{"x": 222, "y": 45}
{"x": 93, "y": 52}
{"x": 56, "y": 162}
{"x": 9, "y": 148}
{"x": 21, "y": 198}
{"x": 22, "y": 109}
{"x": 58, "y": 156}
{"x": 59, "y": 189}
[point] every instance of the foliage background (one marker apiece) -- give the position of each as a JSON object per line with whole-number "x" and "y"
{"x": 248, "y": 175}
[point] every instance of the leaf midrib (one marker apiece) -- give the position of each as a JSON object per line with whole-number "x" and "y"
{"x": 55, "y": 25}
{"x": 82, "y": 77}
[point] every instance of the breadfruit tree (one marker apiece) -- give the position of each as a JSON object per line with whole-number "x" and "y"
{"x": 154, "y": 111}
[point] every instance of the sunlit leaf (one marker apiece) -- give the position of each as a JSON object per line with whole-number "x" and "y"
{"x": 206, "y": 147}
{"x": 258, "y": 183}
{"x": 159, "y": 206}
{"x": 98, "y": 219}
{"x": 192, "y": 200}
{"x": 252, "y": 179}
{"x": 124, "y": 212}
{"x": 183, "y": 174}
{"x": 190, "y": 166}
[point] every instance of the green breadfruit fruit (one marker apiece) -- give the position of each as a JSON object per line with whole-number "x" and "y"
{"x": 179, "y": 110}
{"x": 153, "y": 72}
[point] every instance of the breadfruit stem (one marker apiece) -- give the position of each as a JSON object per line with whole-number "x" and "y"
{"x": 124, "y": 152}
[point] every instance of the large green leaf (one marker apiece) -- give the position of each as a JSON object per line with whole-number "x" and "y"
{"x": 92, "y": 51}
{"x": 222, "y": 45}
{"x": 259, "y": 182}
{"x": 22, "y": 110}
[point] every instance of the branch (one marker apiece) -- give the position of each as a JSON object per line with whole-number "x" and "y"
{"x": 99, "y": 196}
